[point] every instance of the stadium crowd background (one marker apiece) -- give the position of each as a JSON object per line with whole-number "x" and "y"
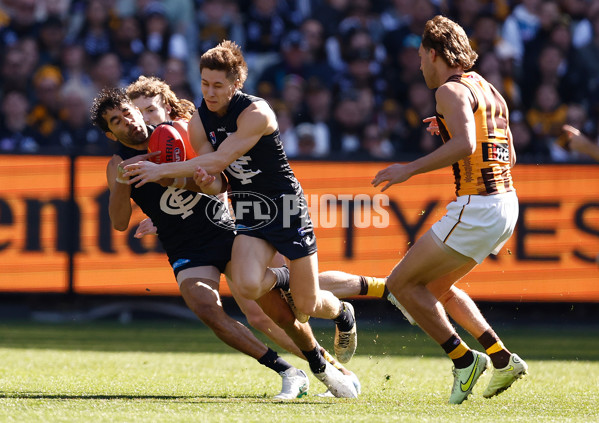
{"x": 342, "y": 75}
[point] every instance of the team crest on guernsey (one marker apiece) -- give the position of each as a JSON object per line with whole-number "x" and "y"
{"x": 178, "y": 201}
{"x": 212, "y": 138}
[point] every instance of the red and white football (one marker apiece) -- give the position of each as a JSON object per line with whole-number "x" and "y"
{"x": 168, "y": 141}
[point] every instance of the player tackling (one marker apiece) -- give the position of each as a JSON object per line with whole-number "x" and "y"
{"x": 198, "y": 250}
{"x": 238, "y": 134}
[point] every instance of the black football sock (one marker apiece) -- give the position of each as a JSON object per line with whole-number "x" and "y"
{"x": 345, "y": 321}
{"x": 315, "y": 359}
{"x": 272, "y": 360}
{"x": 282, "y": 276}
{"x": 363, "y": 286}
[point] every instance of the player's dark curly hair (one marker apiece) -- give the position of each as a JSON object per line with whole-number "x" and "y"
{"x": 153, "y": 86}
{"x": 107, "y": 98}
{"x": 226, "y": 56}
{"x": 450, "y": 41}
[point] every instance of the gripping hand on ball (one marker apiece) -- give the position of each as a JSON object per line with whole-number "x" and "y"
{"x": 142, "y": 172}
{"x": 122, "y": 176}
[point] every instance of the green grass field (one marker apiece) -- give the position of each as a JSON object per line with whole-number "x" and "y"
{"x": 179, "y": 371}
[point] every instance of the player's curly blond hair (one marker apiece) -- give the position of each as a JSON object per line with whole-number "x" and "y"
{"x": 152, "y": 86}
{"x": 450, "y": 41}
{"x": 226, "y": 56}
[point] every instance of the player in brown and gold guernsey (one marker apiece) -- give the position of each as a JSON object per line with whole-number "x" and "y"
{"x": 473, "y": 121}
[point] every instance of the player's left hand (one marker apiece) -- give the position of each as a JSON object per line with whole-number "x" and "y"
{"x": 145, "y": 227}
{"x": 142, "y": 172}
{"x": 394, "y": 174}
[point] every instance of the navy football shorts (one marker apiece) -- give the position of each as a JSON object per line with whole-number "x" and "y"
{"x": 290, "y": 231}
{"x": 215, "y": 252}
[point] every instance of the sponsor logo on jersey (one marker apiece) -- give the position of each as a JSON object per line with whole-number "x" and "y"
{"x": 495, "y": 152}
{"x": 212, "y": 138}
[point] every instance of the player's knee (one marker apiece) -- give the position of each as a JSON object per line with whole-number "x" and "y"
{"x": 444, "y": 297}
{"x": 249, "y": 289}
{"x": 305, "y": 304}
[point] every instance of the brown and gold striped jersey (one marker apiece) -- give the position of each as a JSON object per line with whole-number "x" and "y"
{"x": 487, "y": 170}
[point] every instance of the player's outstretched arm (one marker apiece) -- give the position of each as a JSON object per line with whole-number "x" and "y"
{"x": 579, "y": 142}
{"x": 255, "y": 121}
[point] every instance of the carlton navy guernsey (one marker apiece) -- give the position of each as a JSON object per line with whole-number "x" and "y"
{"x": 179, "y": 215}
{"x": 264, "y": 168}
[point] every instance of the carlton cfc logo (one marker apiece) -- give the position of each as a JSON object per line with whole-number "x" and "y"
{"x": 178, "y": 201}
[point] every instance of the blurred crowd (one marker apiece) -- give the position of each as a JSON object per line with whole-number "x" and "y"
{"x": 342, "y": 75}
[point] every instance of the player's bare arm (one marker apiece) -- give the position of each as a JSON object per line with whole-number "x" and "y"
{"x": 119, "y": 203}
{"x": 581, "y": 143}
{"x": 454, "y": 102}
{"x": 254, "y": 122}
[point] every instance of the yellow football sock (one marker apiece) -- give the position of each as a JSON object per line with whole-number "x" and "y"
{"x": 376, "y": 286}
{"x": 458, "y": 351}
{"x": 496, "y": 347}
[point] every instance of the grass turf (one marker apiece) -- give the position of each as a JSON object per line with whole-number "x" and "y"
{"x": 165, "y": 371}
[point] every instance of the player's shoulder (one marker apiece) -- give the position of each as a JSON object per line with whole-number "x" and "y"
{"x": 452, "y": 90}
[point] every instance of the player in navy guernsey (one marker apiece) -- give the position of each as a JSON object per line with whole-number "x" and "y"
{"x": 169, "y": 206}
{"x": 239, "y": 134}
{"x": 198, "y": 250}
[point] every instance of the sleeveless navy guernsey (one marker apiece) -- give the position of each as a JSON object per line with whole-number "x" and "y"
{"x": 178, "y": 214}
{"x": 264, "y": 168}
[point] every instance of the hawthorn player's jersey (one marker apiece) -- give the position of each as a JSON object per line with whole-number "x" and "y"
{"x": 181, "y": 216}
{"x": 487, "y": 170}
{"x": 264, "y": 168}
